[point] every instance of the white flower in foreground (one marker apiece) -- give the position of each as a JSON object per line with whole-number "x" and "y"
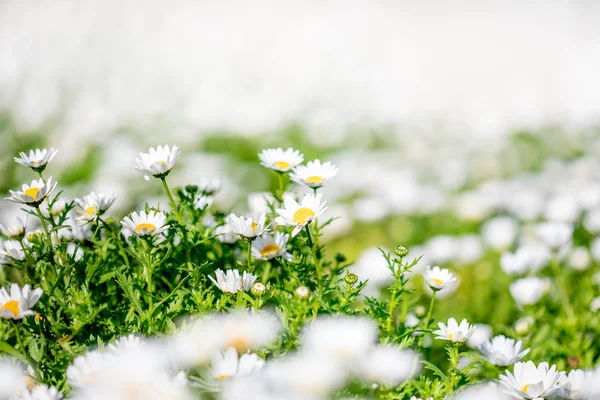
{"x": 531, "y": 382}
{"x": 232, "y": 282}
{"x": 12, "y": 379}
{"x": 16, "y": 231}
{"x": 574, "y": 385}
{"x": 126, "y": 344}
{"x": 269, "y": 246}
{"x": 42, "y": 392}
{"x": 224, "y": 234}
{"x": 84, "y": 369}
{"x": 554, "y": 234}
{"x": 102, "y": 201}
{"x": 247, "y": 227}
{"x": 300, "y": 215}
{"x": 227, "y": 365}
{"x": 10, "y": 251}
{"x": 437, "y": 278}
{"x": 157, "y": 162}
{"x": 530, "y": 290}
{"x": 280, "y": 160}
{"x": 481, "y": 391}
{"x": 33, "y": 194}
{"x": 314, "y": 174}
{"x": 37, "y": 159}
{"x": 454, "y": 332}
{"x": 344, "y": 338}
{"x": 145, "y": 224}
{"x": 389, "y": 365}
{"x": 20, "y": 301}
{"x": 502, "y": 351}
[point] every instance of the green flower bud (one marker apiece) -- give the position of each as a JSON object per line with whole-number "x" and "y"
{"x": 258, "y": 289}
{"x": 401, "y": 251}
{"x": 351, "y": 278}
{"x": 302, "y": 292}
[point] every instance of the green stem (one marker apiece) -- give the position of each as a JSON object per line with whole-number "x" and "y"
{"x": 171, "y": 199}
{"x": 314, "y": 251}
{"x": 426, "y": 325}
{"x": 188, "y": 256}
{"x": 280, "y": 175}
{"x": 41, "y": 176}
{"x": 41, "y": 217}
{"x": 454, "y": 361}
{"x": 18, "y": 335}
{"x": 391, "y": 309}
{"x": 266, "y": 273}
{"x": 249, "y": 260}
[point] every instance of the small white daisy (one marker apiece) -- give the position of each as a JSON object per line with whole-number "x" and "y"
{"x": 224, "y": 234}
{"x": 389, "y": 365}
{"x": 209, "y": 187}
{"x": 574, "y": 385}
{"x": 314, "y": 174}
{"x": 37, "y": 159}
{"x": 268, "y": 246}
{"x": 16, "y": 231}
{"x": 84, "y": 369}
{"x": 86, "y": 209}
{"x": 202, "y": 201}
{"x": 157, "y": 162}
{"x": 300, "y": 215}
{"x": 247, "y": 227}
{"x": 226, "y": 365}
{"x": 531, "y": 382}
{"x": 11, "y": 250}
{"x": 126, "y": 344}
{"x": 104, "y": 202}
{"x": 454, "y": 332}
{"x": 280, "y": 160}
{"x": 33, "y": 194}
{"x": 554, "y": 234}
{"x": 437, "y": 278}
{"x": 42, "y": 392}
{"x": 502, "y": 351}
{"x": 530, "y": 290}
{"x": 232, "y": 281}
{"x": 20, "y": 301}
{"x": 145, "y": 224}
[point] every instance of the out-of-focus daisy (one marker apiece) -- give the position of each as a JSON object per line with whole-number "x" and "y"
{"x": 502, "y": 351}
{"x": 33, "y": 194}
{"x": 75, "y": 251}
{"x": 454, "y": 332}
{"x": 103, "y": 201}
{"x": 280, "y": 160}
{"x": 224, "y": 234}
{"x": 157, "y": 162}
{"x": 389, "y": 365}
{"x": 42, "y": 392}
{"x": 226, "y": 365}
{"x": 232, "y": 282}
{"x": 269, "y": 246}
{"x": 574, "y": 386}
{"x": 500, "y": 233}
{"x": 579, "y": 259}
{"x": 314, "y": 174}
{"x": 12, "y": 379}
{"x": 145, "y": 224}
{"x": 245, "y": 331}
{"x": 84, "y": 369}
{"x": 10, "y": 251}
{"x": 554, "y": 234}
{"x": 209, "y": 187}
{"x": 37, "y": 159}
{"x": 16, "y": 231}
{"x": 126, "y": 344}
{"x": 300, "y": 215}
{"x": 20, "y": 301}
{"x": 481, "y": 391}
{"x": 528, "y": 291}
{"x": 531, "y": 382}
{"x": 595, "y": 304}
{"x": 481, "y": 334}
{"x": 247, "y": 227}
{"x": 437, "y": 278}
{"x": 202, "y": 201}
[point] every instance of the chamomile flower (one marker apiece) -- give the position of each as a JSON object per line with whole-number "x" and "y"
{"x": 280, "y": 160}
{"x": 531, "y": 382}
{"x": 37, "y": 159}
{"x": 300, "y": 215}
{"x": 127, "y": 344}
{"x": 437, "y": 278}
{"x": 389, "y": 365}
{"x": 224, "y": 234}
{"x": 84, "y": 369}
{"x": 247, "y": 227}
{"x": 502, "y": 351}
{"x": 554, "y": 234}
{"x": 104, "y": 202}
{"x": 227, "y": 365}
{"x": 245, "y": 331}
{"x": 454, "y": 332}
{"x": 314, "y": 174}
{"x": 528, "y": 291}
{"x": 42, "y": 392}
{"x": 12, "y": 379}
{"x": 86, "y": 209}
{"x": 209, "y": 187}
{"x": 232, "y": 282}
{"x": 157, "y": 162}
{"x": 16, "y": 231}
{"x": 203, "y": 201}
{"x": 10, "y": 251}
{"x": 34, "y": 194}
{"x": 268, "y": 246}
{"x": 145, "y": 224}
{"x": 20, "y": 301}
{"x": 574, "y": 385}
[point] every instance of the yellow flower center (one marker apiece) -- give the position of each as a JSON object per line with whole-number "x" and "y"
{"x": 162, "y": 162}
{"x": 269, "y": 249}
{"x": 317, "y": 180}
{"x": 438, "y": 281}
{"x": 524, "y": 388}
{"x": 145, "y": 227}
{"x": 240, "y": 343}
{"x": 302, "y": 214}
{"x": 282, "y": 165}
{"x": 254, "y": 225}
{"x": 223, "y": 377}
{"x": 32, "y": 192}
{"x": 90, "y": 211}
{"x": 450, "y": 336}
{"x": 30, "y": 382}
{"x": 12, "y": 306}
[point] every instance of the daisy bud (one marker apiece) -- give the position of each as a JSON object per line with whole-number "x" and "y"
{"x": 302, "y": 292}
{"x": 401, "y": 251}
{"x": 340, "y": 258}
{"x": 351, "y": 278}
{"x": 258, "y": 289}
{"x": 420, "y": 311}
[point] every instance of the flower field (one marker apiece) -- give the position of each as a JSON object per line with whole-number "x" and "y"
{"x": 457, "y": 271}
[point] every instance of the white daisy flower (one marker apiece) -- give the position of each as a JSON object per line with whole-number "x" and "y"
{"x": 86, "y": 209}
{"x": 389, "y": 365}
{"x": 554, "y": 234}
{"x": 202, "y": 201}
{"x": 454, "y": 332}
{"x": 247, "y": 227}
{"x": 531, "y": 382}
{"x": 232, "y": 282}
{"x": 157, "y": 162}
{"x": 226, "y": 365}
{"x": 300, "y": 215}
{"x": 10, "y": 251}
{"x": 314, "y": 174}
{"x": 126, "y": 344}
{"x": 37, "y": 159}
{"x": 209, "y": 187}
{"x": 16, "y": 231}
{"x": 574, "y": 385}
{"x": 268, "y": 246}
{"x": 502, "y": 351}
{"x": 42, "y": 392}
{"x": 244, "y": 330}
{"x": 84, "y": 369}
{"x": 528, "y": 291}
{"x": 20, "y": 301}
{"x": 280, "y": 160}
{"x": 103, "y": 201}
{"x": 437, "y": 278}
{"x": 482, "y": 333}
{"x": 145, "y": 224}
{"x": 224, "y": 234}
{"x": 12, "y": 379}
{"x": 33, "y": 194}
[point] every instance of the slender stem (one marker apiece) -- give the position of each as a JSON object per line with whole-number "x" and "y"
{"x": 41, "y": 176}
{"x": 391, "y": 309}
{"x": 18, "y": 335}
{"x": 171, "y": 199}
{"x": 41, "y": 217}
{"x": 426, "y": 325}
{"x": 454, "y": 360}
{"x": 188, "y": 256}
{"x": 266, "y": 273}
{"x": 249, "y": 260}
{"x": 280, "y": 176}
{"x": 314, "y": 251}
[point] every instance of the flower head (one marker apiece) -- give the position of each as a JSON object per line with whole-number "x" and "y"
{"x": 437, "y": 278}
{"x": 454, "y": 332}
{"x": 157, "y": 162}
{"x": 33, "y": 194}
{"x": 42, "y": 392}
{"x": 314, "y": 174}
{"x": 16, "y": 231}
{"x": 300, "y": 215}
{"x": 389, "y": 365}
{"x": 145, "y": 224}
{"x": 232, "y": 281}
{"x": 280, "y": 160}
{"x": 502, "y": 351}
{"x": 528, "y": 291}
{"x": 227, "y": 365}
{"x": 37, "y": 159}
{"x": 247, "y": 227}
{"x": 531, "y": 382}
{"x": 268, "y": 246}
{"x": 209, "y": 187}
{"x": 11, "y": 250}
{"x": 555, "y": 234}
{"x": 20, "y": 301}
